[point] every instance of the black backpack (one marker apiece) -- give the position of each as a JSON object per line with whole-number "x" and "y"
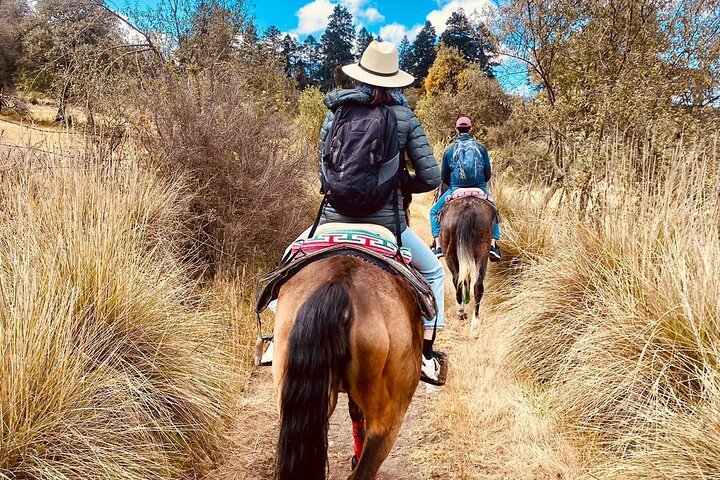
{"x": 360, "y": 159}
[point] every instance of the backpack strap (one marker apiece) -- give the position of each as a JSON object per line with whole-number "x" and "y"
{"x": 396, "y": 209}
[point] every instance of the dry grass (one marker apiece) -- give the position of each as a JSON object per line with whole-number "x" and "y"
{"x": 617, "y": 317}
{"x": 114, "y": 365}
{"x": 488, "y": 425}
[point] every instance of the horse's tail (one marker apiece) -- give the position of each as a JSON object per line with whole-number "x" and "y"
{"x": 318, "y": 351}
{"x": 465, "y": 238}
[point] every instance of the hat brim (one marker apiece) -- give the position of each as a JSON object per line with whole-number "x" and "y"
{"x": 398, "y": 80}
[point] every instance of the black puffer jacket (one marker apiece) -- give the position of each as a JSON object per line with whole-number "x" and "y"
{"x": 412, "y": 141}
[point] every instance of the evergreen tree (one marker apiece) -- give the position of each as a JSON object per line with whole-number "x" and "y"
{"x": 272, "y": 39}
{"x": 471, "y": 40}
{"x": 336, "y": 45}
{"x": 363, "y": 40}
{"x": 290, "y": 51}
{"x": 310, "y": 61}
{"x": 404, "y": 53}
{"x": 422, "y": 53}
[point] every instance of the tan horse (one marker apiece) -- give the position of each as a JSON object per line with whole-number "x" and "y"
{"x": 343, "y": 324}
{"x": 465, "y": 240}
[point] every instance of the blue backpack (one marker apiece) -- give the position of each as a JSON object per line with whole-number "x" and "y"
{"x": 467, "y": 159}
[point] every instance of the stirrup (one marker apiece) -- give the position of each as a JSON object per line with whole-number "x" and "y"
{"x": 442, "y": 359}
{"x": 263, "y": 356}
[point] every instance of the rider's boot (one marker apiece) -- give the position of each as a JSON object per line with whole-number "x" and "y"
{"x": 435, "y": 248}
{"x": 495, "y": 254}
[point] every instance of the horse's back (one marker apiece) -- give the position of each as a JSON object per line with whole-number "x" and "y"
{"x": 461, "y": 210}
{"x": 385, "y": 331}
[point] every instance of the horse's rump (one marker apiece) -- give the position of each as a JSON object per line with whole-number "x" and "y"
{"x": 342, "y": 324}
{"x": 465, "y": 239}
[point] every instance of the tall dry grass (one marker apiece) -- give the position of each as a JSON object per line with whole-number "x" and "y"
{"x": 113, "y": 363}
{"x": 614, "y": 312}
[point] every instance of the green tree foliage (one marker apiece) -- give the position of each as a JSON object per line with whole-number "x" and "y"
{"x": 290, "y": 51}
{"x": 336, "y": 45}
{"x": 309, "y": 63}
{"x": 13, "y": 13}
{"x": 312, "y": 113}
{"x": 66, "y": 42}
{"x": 471, "y": 39}
{"x": 605, "y": 68}
{"x": 404, "y": 52}
{"x": 422, "y": 53}
{"x": 273, "y": 38}
{"x": 209, "y": 36}
{"x": 363, "y": 40}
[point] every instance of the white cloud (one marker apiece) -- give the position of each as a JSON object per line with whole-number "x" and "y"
{"x": 481, "y": 8}
{"x": 394, "y": 32}
{"x": 313, "y": 16}
{"x": 373, "y": 16}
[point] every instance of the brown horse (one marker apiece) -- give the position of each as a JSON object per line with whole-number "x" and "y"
{"x": 343, "y": 324}
{"x": 465, "y": 240}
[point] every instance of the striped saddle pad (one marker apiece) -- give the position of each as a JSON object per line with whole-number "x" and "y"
{"x": 471, "y": 192}
{"x": 366, "y": 237}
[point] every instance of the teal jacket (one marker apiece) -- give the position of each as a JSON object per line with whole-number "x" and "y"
{"x": 451, "y": 176}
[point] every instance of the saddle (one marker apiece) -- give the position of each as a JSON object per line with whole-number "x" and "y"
{"x": 371, "y": 243}
{"x": 477, "y": 193}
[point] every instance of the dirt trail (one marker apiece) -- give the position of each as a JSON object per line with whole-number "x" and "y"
{"x": 254, "y": 456}
{"x": 481, "y": 425}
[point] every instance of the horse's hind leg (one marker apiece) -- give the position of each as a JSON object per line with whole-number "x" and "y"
{"x": 479, "y": 290}
{"x": 380, "y": 435}
{"x": 478, "y": 293}
{"x": 358, "y": 430}
{"x": 459, "y": 298}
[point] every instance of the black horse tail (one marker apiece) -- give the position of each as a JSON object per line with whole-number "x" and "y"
{"x": 465, "y": 238}
{"x": 318, "y": 352}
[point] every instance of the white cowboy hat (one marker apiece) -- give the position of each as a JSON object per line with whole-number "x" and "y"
{"x": 379, "y": 66}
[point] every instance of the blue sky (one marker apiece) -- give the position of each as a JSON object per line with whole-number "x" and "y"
{"x": 389, "y": 19}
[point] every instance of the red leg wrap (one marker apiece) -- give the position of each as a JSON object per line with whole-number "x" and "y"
{"x": 358, "y": 432}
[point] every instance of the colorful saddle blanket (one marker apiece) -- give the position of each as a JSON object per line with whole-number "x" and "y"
{"x": 477, "y": 193}
{"x": 371, "y": 243}
{"x": 348, "y": 234}
{"x": 471, "y": 192}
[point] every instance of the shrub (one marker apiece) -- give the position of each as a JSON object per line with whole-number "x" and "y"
{"x": 243, "y": 160}
{"x": 113, "y": 365}
{"x": 312, "y": 114}
{"x": 477, "y": 96}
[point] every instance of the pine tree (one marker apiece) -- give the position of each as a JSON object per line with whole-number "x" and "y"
{"x": 310, "y": 61}
{"x": 290, "y": 51}
{"x": 272, "y": 39}
{"x": 404, "y": 52}
{"x": 422, "y": 53}
{"x": 364, "y": 39}
{"x": 336, "y": 45}
{"x": 471, "y": 40}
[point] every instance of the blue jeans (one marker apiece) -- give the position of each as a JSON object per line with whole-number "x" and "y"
{"x": 425, "y": 261}
{"x": 435, "y": 214}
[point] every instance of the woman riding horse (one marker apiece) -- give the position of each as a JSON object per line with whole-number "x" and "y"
{"x": 345, "y": 324}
